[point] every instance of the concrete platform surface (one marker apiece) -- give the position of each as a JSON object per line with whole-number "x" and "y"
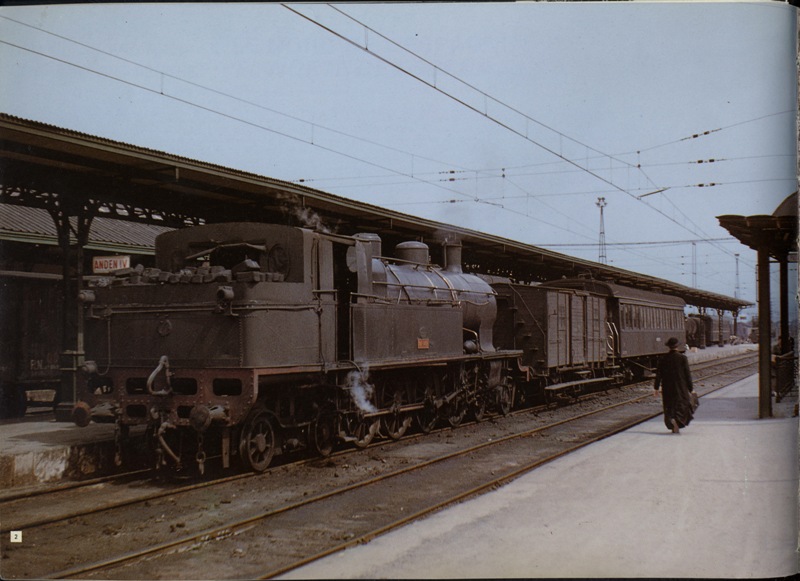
{"x": 719, "y": 500}
{"x": 696, "y": 355}
{"x": 38, "y": 450}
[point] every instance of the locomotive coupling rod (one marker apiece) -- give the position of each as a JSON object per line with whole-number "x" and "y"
{"x": 412, "y": 407}
{"x": 163, "y": 364}
{"x": 452, "y": 395}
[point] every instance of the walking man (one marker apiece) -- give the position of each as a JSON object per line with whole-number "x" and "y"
{"x": 674, "y": 377}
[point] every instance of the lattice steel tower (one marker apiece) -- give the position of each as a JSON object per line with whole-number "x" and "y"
{"x": 601, "y": 203}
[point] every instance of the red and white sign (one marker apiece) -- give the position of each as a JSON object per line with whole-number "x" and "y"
{"x": 106, "y": 264}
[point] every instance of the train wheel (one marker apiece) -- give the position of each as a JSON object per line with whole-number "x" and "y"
{"x": 456, "y": 410}
{"x": 395, "y": 425}
{"x": 322, "y": 432}
{"x": 365, "y": 433}
{"x": 426, "y": 418}
{"x": 257, "y": 440}
{"x": 428, "y": 415}
{"x": 479, "y": 409}
{"x": 505, "y": 396}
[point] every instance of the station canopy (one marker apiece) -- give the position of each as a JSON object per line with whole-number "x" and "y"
{"x": 65, "y": 171}
{"x": 776, "y": 233}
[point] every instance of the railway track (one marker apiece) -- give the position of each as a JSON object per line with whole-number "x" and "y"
{"x": 23, "y": 510}
{"x": 315, "y": 522}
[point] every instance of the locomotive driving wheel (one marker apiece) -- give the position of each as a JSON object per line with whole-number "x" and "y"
{"x": 365, "y": 432}
{"x": 257, "y": 440}
{"x": 322, "y": 434}
{"x": 396, "y": 423}
{"x": 505, "y": 396}
{"x": 479, "y": 408}
{"x": 456, "y": 410}
{"x": 427, "y": 416}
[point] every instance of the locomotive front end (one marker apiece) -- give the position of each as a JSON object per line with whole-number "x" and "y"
{"x": 176, "y": 348}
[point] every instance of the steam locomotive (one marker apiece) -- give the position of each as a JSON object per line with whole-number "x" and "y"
{"x": 249, "y": 340}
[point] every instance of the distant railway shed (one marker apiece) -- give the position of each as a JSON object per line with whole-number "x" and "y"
{"x": 78, "y": 178}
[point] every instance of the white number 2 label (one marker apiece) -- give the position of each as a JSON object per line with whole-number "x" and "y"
{"x": 16, "y": 536}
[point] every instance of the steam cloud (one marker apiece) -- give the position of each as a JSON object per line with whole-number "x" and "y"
{"x": 361, "y": 390}
{"x": 306, "y": 216}
{"x": 311, "y": 219}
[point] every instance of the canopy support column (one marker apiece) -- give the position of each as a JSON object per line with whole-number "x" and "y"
{"x": 784, "y": 305}
{"x": 72, "y": 348}
{"x": 764, "y": 331}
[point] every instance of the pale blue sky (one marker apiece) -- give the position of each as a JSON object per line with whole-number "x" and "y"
{"x": 620, "y": 87}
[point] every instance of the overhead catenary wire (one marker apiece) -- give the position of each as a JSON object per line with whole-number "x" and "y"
{"x": 707, "y": 132}
{"x": 227, "y": 95}
{"x": 450, "y": 96}
{"x": 492, "y": 173}
{"x": 487, "y": 96}
{"x": 372, "y": 52}
{"x": 161, "y": 92}
{"x": 466, "y": 198}
{"x": 639, "y": 243}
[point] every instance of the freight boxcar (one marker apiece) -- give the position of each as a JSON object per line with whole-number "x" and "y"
{"x": 639, "y": 322}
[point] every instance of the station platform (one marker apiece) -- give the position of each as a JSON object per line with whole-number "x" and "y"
{"x": 718, "y": 500}
{"x": 37, "y": 449}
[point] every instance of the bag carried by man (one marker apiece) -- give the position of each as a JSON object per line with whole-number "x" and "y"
{"x": 694, "y": 400}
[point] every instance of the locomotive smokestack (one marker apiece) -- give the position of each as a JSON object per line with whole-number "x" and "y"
{"x": 452, "y": 257}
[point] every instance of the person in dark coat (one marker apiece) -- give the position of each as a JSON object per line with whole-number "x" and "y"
{"x": 675, "y": 379}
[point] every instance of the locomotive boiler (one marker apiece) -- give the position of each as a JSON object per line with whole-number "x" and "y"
{"x": 248, "y": 340}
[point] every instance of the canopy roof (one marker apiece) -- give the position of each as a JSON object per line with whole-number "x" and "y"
{"x": 777, "y": 233}
{"x": 55, "y": 168}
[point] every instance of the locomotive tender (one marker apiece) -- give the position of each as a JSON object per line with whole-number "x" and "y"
{"x": 249, "y": 340}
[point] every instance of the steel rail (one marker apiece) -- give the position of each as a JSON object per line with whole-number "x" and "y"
{"x": 228, "y": 529}
{"x": 22, "y": 496}
{"x": 70, "y": 485}
{"x": 492, "y": 483}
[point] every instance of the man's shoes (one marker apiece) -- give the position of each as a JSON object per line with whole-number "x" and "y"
{"x": 675, "y": 428}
